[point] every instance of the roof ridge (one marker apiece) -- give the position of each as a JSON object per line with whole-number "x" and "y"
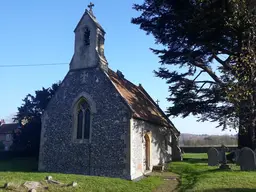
{"x": 139, "y": 101}
{"x": 123, "y": 78}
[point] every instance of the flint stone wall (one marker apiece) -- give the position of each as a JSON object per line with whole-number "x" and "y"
{"x": 159, "y": 153}
{"x": 108, "y": 152}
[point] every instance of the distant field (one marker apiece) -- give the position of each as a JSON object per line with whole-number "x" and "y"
{"x": 204, "y": 148}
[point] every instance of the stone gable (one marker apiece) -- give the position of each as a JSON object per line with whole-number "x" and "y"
{"x": 108, "y": 151}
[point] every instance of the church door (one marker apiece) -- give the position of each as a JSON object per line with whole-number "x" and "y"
{"x": 147, "y": 152}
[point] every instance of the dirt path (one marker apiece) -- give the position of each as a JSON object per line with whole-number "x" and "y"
{"x": 171, "y": 182}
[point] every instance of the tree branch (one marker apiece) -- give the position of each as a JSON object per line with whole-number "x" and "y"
{"x": 210, "y": 82}
{"x": 198, "y": 75}
{"x": 200, "y": 89}
{"x": 224, "y": 63}
{"x": 209, "y": 71}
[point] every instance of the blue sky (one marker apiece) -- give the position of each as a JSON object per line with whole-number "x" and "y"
{"x": 41, "y": 32}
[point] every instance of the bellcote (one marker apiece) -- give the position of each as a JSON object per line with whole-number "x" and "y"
{"x": 89, "y": 43}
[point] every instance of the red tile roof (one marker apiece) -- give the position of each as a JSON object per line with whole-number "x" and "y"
{"x": 8, "y": 128}
{"x": 142, "y": 105}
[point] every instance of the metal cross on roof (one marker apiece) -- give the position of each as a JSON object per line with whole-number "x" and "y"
{"x": 90, "y": 6}
{"x": 157, "y": 102}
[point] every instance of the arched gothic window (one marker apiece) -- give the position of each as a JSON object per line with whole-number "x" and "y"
{"x": 83, "y": 117}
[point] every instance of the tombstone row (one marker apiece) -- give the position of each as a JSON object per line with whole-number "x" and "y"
{"x": 245, "y": 157}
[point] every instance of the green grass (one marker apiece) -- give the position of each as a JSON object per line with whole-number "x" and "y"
{"x": 196, "y": 175}
{"x": 20, "y": 170}
{"x": 195, "y": 156}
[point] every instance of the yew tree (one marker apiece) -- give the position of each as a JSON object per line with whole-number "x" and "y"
{"x": 208, "y": 59}
{"x": 27, "y": 138}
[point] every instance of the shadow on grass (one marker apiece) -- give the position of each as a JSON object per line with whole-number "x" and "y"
{"x": 191, "y": 181}
{"x": 19, "y": 165}
{"x": 195, "y": 160}
{"x": 190, "y": 176}
{"x": 229, "y": 189}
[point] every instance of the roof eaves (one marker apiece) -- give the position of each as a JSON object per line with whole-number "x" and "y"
{"x": 149, "y": 121}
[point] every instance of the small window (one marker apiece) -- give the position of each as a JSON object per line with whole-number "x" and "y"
{"x": 87, "y": 35}
{"x": 101, "y": 45}
{"x": 83, "y": 120}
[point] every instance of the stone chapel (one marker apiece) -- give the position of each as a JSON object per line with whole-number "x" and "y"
{"x": 99, "y": 123}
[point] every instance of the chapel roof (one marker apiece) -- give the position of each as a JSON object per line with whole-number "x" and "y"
{"x": 8, "y": 128}
{"x": 142, "y": 105}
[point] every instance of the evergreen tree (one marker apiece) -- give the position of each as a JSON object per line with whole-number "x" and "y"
{"x": 213, "y": 42}
{"x": 27, "y": 137}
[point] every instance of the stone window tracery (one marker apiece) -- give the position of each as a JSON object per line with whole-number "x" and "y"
{"x": 83, "y": 120}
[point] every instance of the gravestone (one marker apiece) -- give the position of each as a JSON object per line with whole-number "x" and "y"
{"x": 32, "y": 185}
{"x": 232, "y": 156}
{"x": 237, "y": 154}
{"x": 213, "y": 157}
{"x": 247, "y": 159}
{"x": 220, "y": 158}
{"x": 222, "y": 153}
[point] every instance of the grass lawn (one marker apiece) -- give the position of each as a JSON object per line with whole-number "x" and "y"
{"x": 193, "y": 175}
{"x": 195, "y": 156}
{"x": 196, "y": 175}
{"x": 20, "y": 170}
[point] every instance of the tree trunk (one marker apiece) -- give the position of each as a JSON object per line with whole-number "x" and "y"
{"x": 247, "y": 127}
{"x": 245, "y": 138}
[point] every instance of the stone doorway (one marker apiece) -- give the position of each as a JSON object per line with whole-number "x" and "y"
{"x": 147, "y": 152}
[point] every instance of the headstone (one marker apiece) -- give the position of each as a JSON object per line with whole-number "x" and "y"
{"x": 237, "y": 154}
{"x": 247, "y": 159}
{"x": 7, "y": 185}
{"x": 48, "y": 178}
{"x": 224, "y": 164}
{"x": 220, "y": 158}
{"x": 74, "y": 184}
{"x": 231, "y": 156}
{"x": 213, "y": 157}
{"x": 222, "y": 155}
{"x": 11, "y": 186}
{"x": 32, "y": 185}
{"x": 54, "y": 182}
